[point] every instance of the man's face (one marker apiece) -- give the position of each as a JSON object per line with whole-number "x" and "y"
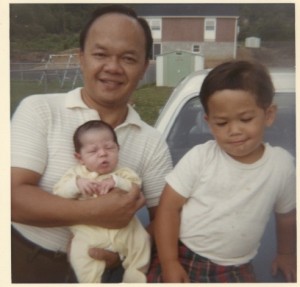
{"x": 113, "y": 60}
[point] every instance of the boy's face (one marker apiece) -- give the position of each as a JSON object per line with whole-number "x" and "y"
{"x": 99, "y": 152}
{"x": 238, "y": 124}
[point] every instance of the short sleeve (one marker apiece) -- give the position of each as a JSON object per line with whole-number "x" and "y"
{"x": 29, "y": 135}
{"x": 185, "y": 174}
{"x": 157, "y": 164}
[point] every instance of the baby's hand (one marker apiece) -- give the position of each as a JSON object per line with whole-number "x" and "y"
{"x": 87, "y": 187}
{"x": 104, "y": 186}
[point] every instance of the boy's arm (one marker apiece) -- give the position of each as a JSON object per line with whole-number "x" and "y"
{"x": 286, "y": 246}
{"x": 166, "y": 231}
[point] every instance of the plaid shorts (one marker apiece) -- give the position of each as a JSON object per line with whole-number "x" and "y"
{"x": 202, "y": 270}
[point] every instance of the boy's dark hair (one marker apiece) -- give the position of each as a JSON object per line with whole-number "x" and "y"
{"x": 248, "y": 76}
{"x": 94, "y": 124}
{"x": 121, "y": 9}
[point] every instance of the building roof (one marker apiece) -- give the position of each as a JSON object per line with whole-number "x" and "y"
{"x": 187, "y": 9}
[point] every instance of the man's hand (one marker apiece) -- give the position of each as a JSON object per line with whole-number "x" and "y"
{"x": 115, "y": 209}
{"x": 112, "y": 259}
{"x": 31, "y": 205}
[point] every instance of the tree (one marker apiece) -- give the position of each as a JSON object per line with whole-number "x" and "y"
{"x": 274, "y": 22}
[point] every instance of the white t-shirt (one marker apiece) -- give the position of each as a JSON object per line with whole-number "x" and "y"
{"x": 229, "y": 203}
{"x": 42, "y": 140}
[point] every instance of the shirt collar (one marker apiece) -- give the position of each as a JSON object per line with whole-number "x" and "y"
{"x": 74, "y": 100}
{"x": 133, "y": 118}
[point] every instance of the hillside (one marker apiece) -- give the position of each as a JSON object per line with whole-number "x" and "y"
{"x": 271, "y": 54}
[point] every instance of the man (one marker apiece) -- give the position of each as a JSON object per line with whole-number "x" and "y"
{"x": 114, "y": 50}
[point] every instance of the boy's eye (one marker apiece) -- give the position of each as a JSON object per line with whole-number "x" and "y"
{"x": 221, "y": 124}
{"x": 245, "y": 120}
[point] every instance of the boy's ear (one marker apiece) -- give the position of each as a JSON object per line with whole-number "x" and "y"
{"x": 206, "y": 117}
{"x": 207, "y": 121}
{"x": 271, "y": 114}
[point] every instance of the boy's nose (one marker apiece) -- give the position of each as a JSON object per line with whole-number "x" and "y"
{"x": 234, "y": 128}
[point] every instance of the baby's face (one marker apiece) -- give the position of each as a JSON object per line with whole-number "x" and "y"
{"x": 99, "y": 152}
{"x": 238, "y": 123}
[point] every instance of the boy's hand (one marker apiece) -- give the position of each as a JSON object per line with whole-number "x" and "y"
{"x": 173, "y": 272}
{"x": 285, "y": 260}
{"x": 286, "y": 263}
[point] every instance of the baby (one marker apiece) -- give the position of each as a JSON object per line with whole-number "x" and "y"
{"x": 97, "y": 172}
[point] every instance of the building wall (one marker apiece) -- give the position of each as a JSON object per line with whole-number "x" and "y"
{"x": 182, "y": 29}
{"x": 182, "y": 33}
{"x": 225, "y": 30}
{"x": 192, "y": 29}
{"x": 218, "y": 50}
{"x": 209, "y": 50}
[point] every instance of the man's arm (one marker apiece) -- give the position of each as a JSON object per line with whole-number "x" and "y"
{"x": 31, "y": 205}
{"x": 150, "y": 227}
{"x": 286, "y": 246}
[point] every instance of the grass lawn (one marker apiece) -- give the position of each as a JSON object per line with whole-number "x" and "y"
{"x": 147, "y": 100}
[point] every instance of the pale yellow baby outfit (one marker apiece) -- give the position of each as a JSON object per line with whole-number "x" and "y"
{"x": 131, "y": 242}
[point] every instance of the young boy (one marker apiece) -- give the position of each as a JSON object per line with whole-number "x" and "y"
{"x": 97, "y": 172}
{"x": 219, "y": 197}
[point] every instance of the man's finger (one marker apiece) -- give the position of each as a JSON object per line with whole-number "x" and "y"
{"x": 111, "y": 259}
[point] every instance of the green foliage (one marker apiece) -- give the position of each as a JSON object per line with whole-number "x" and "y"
{"x": 149, "y": 99}
{"x": 270, "y": 22}
{"x": 54, "y": 27}
{"x": 21, "y": 89}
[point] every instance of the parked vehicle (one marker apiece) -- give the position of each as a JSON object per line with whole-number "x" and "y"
{"x": 182, "y": 123}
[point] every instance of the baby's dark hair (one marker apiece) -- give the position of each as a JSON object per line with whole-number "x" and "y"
{"x": 94, "y": 124}
{"x": 243, "y": 75}
{"x": 121, "y": 9}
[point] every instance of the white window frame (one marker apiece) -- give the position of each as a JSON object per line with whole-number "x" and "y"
{"x": 154, "y": 52}
{"x": 196, "y": 48}
{"x": 210, "y": 27}
{"x": 155, "y": 25}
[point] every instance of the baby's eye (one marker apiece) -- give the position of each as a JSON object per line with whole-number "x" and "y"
{"x": 110, "y": 147}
